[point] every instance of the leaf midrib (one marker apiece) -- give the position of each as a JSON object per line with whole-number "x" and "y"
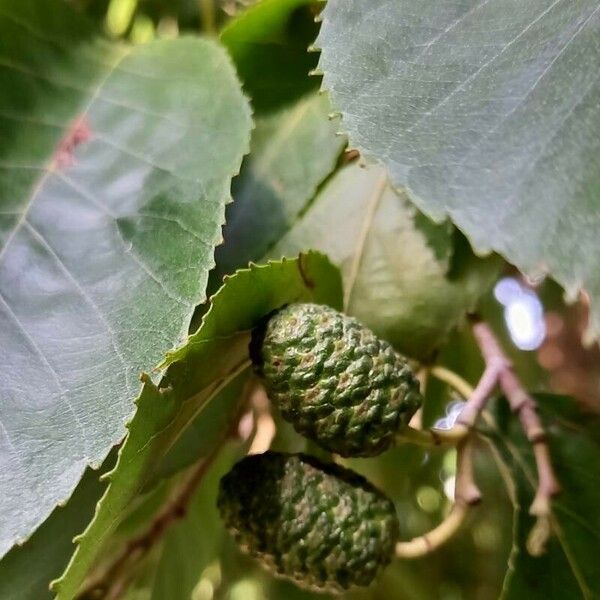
{"x": 372, "y": 205}
{"x": 50, "y": 167}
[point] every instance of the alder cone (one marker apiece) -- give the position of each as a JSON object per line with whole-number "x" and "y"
{"x": 320, "y": 525}
{"x": 334, "y": 379}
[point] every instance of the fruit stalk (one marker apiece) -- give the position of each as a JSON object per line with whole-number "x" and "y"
{"x": 476, "y": 399}
{"x": 466, "y": 495}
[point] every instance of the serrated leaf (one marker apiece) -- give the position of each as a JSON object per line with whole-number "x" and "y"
{"x": 484, "y": 110}
{"x": 210, "y": 358}
{"x": 202, "y": 434}
{"x": 115, "y": 169}
{"x": 268, "y": 43}
{"x": 396, "y": 281}
{"x": 292, "y": 151}
{"x": 569, "y": 568}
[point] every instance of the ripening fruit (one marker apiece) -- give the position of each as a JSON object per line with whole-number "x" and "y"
{"x": 334, "y": 380}
{"x": 320, "y": 525}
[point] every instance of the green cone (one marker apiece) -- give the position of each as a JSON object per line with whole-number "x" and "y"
{"x": 322, "y": 526}
{"x": 334, "y": 380}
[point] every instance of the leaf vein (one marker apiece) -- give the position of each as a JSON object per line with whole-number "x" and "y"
{"x": 80, "y": 289}
{"x": 63, "y": 395}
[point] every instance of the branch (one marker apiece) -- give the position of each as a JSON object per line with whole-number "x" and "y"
{"x": 498, "y": 371}
{"x": 476, "y": 400}
{"x": 114, "y": 580}
{"x": 466, "y": 495}
{"x": 525, "y": 407}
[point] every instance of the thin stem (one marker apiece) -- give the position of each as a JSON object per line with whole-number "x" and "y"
{"x": 463, "y": 387}
{"x": 115, "y": 579}
{"x": 525, "y": 407}
{"x": 430, "y": 437}
{"x": 466, "y": 491}
{"x": 207, "y": 12}
{"x": 476, "y": 398}
{"x": 480, "y": 395}
{"x": 427, "y": 543}
{"x": 466, "y": 495}
{"x": 438, "y": 437}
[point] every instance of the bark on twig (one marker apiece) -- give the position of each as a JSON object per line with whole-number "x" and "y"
{"x": 498, "y": 372}
{"x": 525, "y": 407}
{"x": 114, "y": 580}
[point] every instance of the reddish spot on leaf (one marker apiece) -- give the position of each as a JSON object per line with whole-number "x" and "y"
{"x": 79, "y": 132}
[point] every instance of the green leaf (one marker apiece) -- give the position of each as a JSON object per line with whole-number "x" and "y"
{"x": 211, "y": 358}
{"x": 202, "y": 434}
{"x": 569, "y": 568}
{"x": 193, "y": 543}
{"x": 395, "y": 267}
{"x": 26, "y": 571}
{"x": 115, "y": 168}
{"x": 487, "y": 111}
{"x": 268, "y": 43}
{"x": 291, "y": 153}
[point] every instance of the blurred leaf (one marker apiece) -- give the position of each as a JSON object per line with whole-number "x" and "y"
{"x": 291, "y": 153}
{"x": 198, "y": 370}
{"x": 115, "y": 167}
{"x": 569, "y": 568}
{"x": 193, "y": 543}
{"x": 487, "y": 111}
{"x": 144, "y": 506}
{"x": 394, "y": 281}
{"x": 268, "y": 43}
{"x": 203, "y": 433}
